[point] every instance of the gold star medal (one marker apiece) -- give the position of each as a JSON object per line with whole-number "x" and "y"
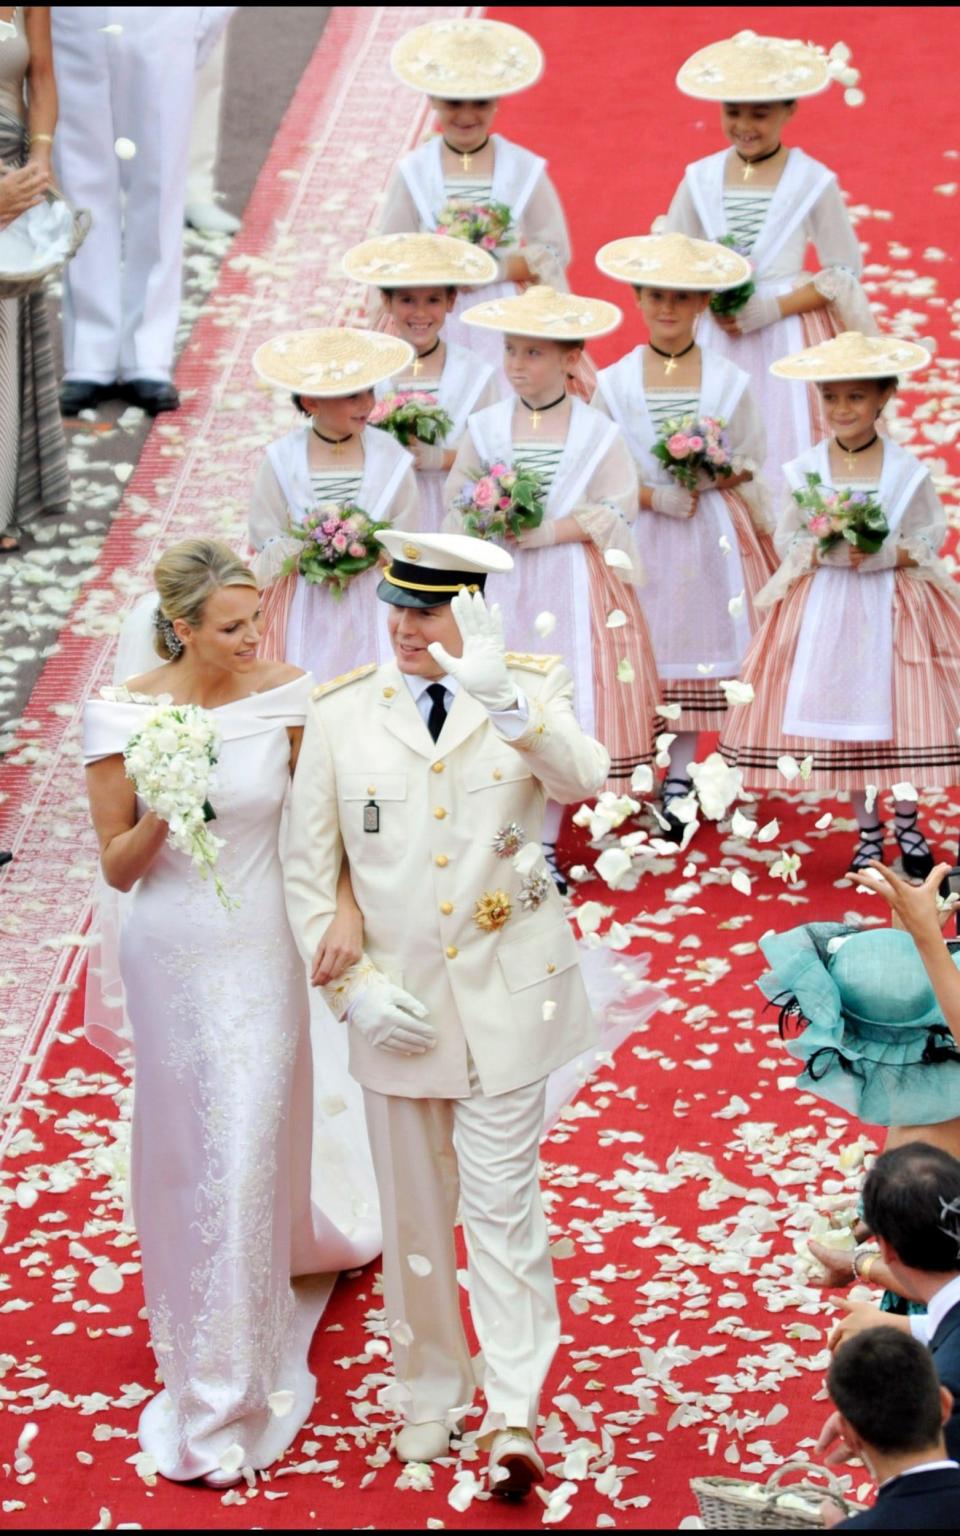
{"x": 492, "y": 911}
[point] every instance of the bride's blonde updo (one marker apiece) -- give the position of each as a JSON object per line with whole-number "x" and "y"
{"x": 185, "y": 576}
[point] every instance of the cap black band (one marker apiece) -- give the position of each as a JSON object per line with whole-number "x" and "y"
{"x": 423, "y": 578}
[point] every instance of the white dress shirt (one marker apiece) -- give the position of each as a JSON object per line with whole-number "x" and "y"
{"x": 924, "y": 1325}
{"x": 511, "y": 723}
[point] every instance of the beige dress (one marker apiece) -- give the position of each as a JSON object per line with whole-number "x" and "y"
{"x": 33, "y": 463}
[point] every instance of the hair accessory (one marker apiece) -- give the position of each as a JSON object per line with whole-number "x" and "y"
{"x": 168, "y": 634}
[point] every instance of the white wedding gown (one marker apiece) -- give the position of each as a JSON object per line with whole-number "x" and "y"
{"x": 223, "y": 1121}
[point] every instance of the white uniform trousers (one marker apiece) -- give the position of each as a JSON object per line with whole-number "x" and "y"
{"x": 427, "y": 1153}
{"x": 121, "y": 292}
{"x": 205, "y": 133}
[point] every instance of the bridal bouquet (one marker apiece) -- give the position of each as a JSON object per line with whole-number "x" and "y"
{"x": 689, "y": 446}
{"x": 411, "y": 416}
{"x": 337, "y": 543}
{"x": 831, "y": 515}
{"x": 732, "y": 299}
{"x": 501, "y": 500}
{"x": 171, "y": 761}
{"x": 484, "y": 224}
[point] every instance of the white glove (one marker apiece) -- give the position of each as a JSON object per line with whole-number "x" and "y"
{"x": 673, "y": 501}
{"x": 428, "y": 455}
{"x": 392, "y": 1019}
{"x": 760, "y": 309}
{"x": 540, "y": 537}
{"x": 481, "y": 670}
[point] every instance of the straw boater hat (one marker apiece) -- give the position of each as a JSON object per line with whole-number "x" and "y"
{"x": 752, "y": 68}
{"x": 467, "y": 60}
{"x": 673, "y": 261}
{"x": 419, "y": 261}
{"x": 870, "y": 1032}
{"x": 331, "y": 362}
{"x": 429, "y": 569}
{"x": 853, "y": 356}
{"x": 541, "y": 311}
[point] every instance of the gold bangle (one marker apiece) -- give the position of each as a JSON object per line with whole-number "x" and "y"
{"x": 41, "y": 138}
{"x": 867, "y": 1265}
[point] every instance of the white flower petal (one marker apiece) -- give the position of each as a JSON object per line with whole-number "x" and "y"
{"x": 419, "y": 1264}
{"x": 545, "y": 623}
{"x": 616, "y": 618}
{"x": 617, "y": 559}
{"x": 280, "y": 1403}
{"x": 124, "y": 149}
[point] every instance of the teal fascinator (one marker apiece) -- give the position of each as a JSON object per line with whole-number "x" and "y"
{"x": 869, "y": 1030}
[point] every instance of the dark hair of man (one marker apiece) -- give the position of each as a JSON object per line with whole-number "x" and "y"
{"x": 884, "y": 1383}
{"x": 911, "y": 1198}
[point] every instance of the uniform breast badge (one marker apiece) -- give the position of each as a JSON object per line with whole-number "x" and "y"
{"x": 509, "y": 840}
{"x": 371, "y": 816}
{"x": 492, "y": 911}
{"x": 534, "y": 891}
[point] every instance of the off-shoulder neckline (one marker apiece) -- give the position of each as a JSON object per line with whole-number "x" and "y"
{"x": 120, "y": 694}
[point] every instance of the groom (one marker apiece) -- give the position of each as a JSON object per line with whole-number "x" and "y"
{"x": 430, "y": 774}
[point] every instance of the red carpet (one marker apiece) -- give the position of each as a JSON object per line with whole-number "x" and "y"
{"x": 681, "y": 1178}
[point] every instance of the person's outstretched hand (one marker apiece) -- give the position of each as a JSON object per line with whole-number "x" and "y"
{"x": 482, "y": 669}
{"x": 914, "y": 907}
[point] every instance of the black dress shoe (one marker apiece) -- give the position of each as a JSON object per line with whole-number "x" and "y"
{"x": 152, "y": 395}
{"x": 78, "y": 395}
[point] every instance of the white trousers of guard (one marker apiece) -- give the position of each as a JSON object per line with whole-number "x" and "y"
{"x": 121, "y": 292}
{"x": 483, "y": 1152}
{"x": 205, "y": 133}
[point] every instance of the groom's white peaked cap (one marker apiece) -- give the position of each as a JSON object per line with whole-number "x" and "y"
{"x": 428, "y": 569}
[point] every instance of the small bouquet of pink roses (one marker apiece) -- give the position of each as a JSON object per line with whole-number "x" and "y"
{"x": 831, "y": 515}
{"x": 485, "y": 224}
{"x": 411, "y": 416}
{"x": 337, "y": 544}
{"x": 688, "y": 447}
{"x": 501, "y": 500}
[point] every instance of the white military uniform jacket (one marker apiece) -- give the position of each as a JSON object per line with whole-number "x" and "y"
{"x": 418, "y": 879}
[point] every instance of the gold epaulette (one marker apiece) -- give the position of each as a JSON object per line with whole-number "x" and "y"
{"x": 321, "y": 691}
{"x": 527, "y": 663}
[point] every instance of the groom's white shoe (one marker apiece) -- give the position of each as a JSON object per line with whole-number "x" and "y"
{"x": 422, "y": 1442}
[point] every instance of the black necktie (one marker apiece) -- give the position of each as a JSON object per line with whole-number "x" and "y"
{"x": 438, "y": 709}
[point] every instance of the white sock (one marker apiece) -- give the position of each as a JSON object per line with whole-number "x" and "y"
{"x": 866, "y": 820}
{"x": 683, "y": 752}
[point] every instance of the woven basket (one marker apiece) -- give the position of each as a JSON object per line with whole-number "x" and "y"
{"x": 725, "y": 1506}
{"x": 27, "y": 259}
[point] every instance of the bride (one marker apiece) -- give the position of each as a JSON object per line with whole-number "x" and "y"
{"x": 217, "y": 1003}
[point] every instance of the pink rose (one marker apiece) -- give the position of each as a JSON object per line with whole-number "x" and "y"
{"x": 357, "y": 551}
{"x": 484, "y": 492}
{"x": 504, "y": 503}
{"x": 678, "y": 445}
{"x": 820, "y": 525}
{"x": 497, "y": 470}
{"x": 339, "y": 542}
{"x": 696, "y": 443}
{"x": 720, "y": 456}
{"x": 489, "y": 243}
{"x": 330, "y": 524}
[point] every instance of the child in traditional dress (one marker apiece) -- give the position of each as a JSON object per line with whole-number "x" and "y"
{"x": 465, "y": 66}
{"x": 771, "y": 202}
{"x": 419, "y": 277}
{"x": 857, "y": 664}
{"x": 567, "y": 567}
{"x": 705, "y": 549}
{"x": 338, "y": 461}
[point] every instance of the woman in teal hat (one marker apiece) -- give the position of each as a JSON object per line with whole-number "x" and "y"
{"x": 878, "y": 1018}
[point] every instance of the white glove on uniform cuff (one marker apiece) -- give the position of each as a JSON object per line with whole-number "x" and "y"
{"x": 392, "y": 1019}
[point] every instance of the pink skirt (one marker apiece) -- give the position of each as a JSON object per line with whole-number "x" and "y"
{"x": 703, "y": 704}
{"x": 625, "y": 721}
{"x": 925, "y": 749}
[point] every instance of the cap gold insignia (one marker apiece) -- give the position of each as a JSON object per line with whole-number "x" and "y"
{"x": 492, "y": 911}
{"x": 411, "y": 552}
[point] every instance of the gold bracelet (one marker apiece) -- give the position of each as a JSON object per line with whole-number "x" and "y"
{"x": 867, "y": 1265}
{"x": 41, "y": 138}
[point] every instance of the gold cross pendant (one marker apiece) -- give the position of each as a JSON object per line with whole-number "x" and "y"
{"x": 466, "y": 160}
{"x": 337, "y": 450}
{"x": 535, "y": 420}
{"x": 747, "y": 171}
{"x": 417, "y": 368}
{"x": 669, "y": 366}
